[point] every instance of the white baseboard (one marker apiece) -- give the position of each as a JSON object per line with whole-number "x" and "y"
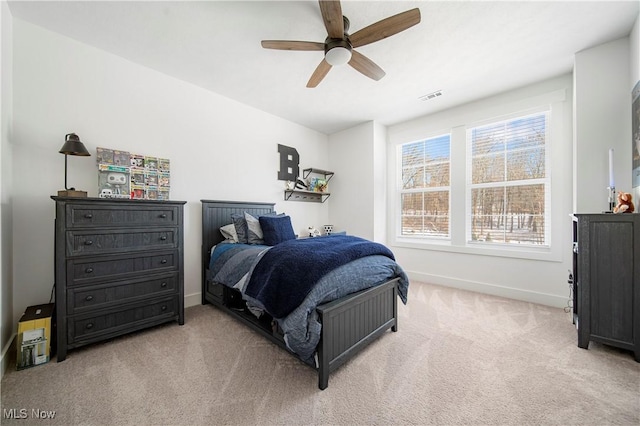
{"x": 477, "y": 286}
{"x": 492, "y": 289}
{"x": 7, "y": 353}
{"x": 192, "y": 299}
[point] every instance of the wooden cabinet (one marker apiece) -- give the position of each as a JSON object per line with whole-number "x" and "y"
{"x": 607, "y": 280}
{"x": 118, "y": 268}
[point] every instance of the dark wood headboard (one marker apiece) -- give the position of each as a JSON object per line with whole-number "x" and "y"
{"x": 217, "y": 213}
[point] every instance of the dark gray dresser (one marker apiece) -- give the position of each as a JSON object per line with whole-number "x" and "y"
{"x": 607, "y": 280}
{"x": 118, "y": 268}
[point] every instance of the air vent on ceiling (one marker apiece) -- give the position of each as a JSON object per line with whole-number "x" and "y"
{"x": 431, "y": 95}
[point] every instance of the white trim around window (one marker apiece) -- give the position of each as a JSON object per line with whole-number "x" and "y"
{"x": 558, "y": 152}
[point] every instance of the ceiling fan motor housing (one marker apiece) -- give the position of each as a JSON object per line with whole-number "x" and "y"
{"x": 342, "y": 53}
{"x": 331, "y": 43}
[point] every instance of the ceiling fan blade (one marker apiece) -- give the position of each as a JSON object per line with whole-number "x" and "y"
{"x": 292, "y": 45}
{"x": 385, "y": 28}
{"x": 366, "y": 66}
{"x": 332, "y": 17}
{"x": 320, "y": 72}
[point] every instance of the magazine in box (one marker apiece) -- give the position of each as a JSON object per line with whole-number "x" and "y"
{"x": 151, "y": 163}
{"x": 137, "y": 161}
{"x": 104, "y": 156}
{"x": 163, "y": 195}
{"x": 113, "y": 181}
{"x": 121, "y": 158}
{"x": 164, "y": 165}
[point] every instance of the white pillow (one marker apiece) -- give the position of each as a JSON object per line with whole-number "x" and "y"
{"x": 229, "y": 233}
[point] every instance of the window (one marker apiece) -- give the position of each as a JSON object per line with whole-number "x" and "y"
{"x": 424, "y": 195}
{"x": 508, "y": 182}
{"x": 506, "y": 186}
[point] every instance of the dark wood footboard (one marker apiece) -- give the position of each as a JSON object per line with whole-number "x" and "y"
{"x": 348, "y": 324}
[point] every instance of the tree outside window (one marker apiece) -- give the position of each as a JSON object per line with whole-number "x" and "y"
{"x": 425, "y": 187}
{"x": 508, "y": 181}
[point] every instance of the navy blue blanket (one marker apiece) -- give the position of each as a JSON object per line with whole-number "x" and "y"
{"x": 288, "y": 271}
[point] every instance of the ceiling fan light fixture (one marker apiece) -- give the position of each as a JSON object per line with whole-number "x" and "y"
{"x": 338, "y": 46}
{"x": 338, "y": 56}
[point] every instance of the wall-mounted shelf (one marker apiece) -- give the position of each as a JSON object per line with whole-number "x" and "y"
{"x": 302, "y": 195}
{"x": 310, "y": 196}
{"x": 327, "y": 174}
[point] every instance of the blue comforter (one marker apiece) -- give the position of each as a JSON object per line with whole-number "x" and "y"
{"x": 289, "y": 272}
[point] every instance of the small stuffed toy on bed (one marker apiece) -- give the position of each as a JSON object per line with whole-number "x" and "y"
{"x": 625, "y": 203}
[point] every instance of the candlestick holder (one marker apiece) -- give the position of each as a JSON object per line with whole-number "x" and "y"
{"x": 612, "y": 198}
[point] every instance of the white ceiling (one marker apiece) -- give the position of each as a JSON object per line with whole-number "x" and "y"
{"x": 466, "y": 49}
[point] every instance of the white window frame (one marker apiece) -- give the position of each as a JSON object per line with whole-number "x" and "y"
{"x": 546, "y": 181}
{"x": 403, "y": 191}
{"x": 559, "y": 130}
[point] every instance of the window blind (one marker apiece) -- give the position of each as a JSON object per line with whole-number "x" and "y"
{"x": 425, "y": 187}
{"x": 508, "y": 183}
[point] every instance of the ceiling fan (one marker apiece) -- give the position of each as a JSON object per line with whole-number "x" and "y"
{"x": 339, "y": 45}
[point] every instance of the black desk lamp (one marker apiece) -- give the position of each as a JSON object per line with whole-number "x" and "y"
{"x": 72, "y": 146}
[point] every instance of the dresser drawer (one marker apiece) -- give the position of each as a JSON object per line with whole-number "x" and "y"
{"x": 124, "y": 319}
{"x": 85, "y": 298}
{"x": 117, "y": 240}
{"x": 86, "y": 270}
{"x": 94, "y": 215}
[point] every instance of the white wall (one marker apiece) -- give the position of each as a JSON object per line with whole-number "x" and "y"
{"x": 219, "y": 148}
{"x": 602, "y": 120}
{"x": 634, "y": 50}
{"x": 379, "y": 180}
{"x": 358, "y": 189}
{"x": 6, "y": 253}
{"x": 536, "y": 275}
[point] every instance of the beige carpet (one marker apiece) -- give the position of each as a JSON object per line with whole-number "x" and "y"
{"x": 458, "y": 358}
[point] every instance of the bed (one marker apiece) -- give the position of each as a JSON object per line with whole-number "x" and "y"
{"x": 323, "y": 331}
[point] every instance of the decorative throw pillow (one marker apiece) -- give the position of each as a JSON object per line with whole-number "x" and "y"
{"x": 240, "y": 223}
{"x": 254, "y": 231}
{"x": 276, "y": 229}
{"x": 229, "y": 233}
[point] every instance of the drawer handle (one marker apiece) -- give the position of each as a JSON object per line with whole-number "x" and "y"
{"x": 163, "y": 238}
{"x": 163, "y": 261}
{"x": 89, "y": 298}
{"x": 163, "y": 284}
{"x": 88, "y": 270}
{"x": 89, "y": 326}
{"x": 163, "y": 308}
{"x": 88, "y": 243}
{"x": 163, "y": 216}
{"x": 88, "y": 216}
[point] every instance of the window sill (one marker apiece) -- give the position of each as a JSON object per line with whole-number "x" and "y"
{"x": 548, "y": 254}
